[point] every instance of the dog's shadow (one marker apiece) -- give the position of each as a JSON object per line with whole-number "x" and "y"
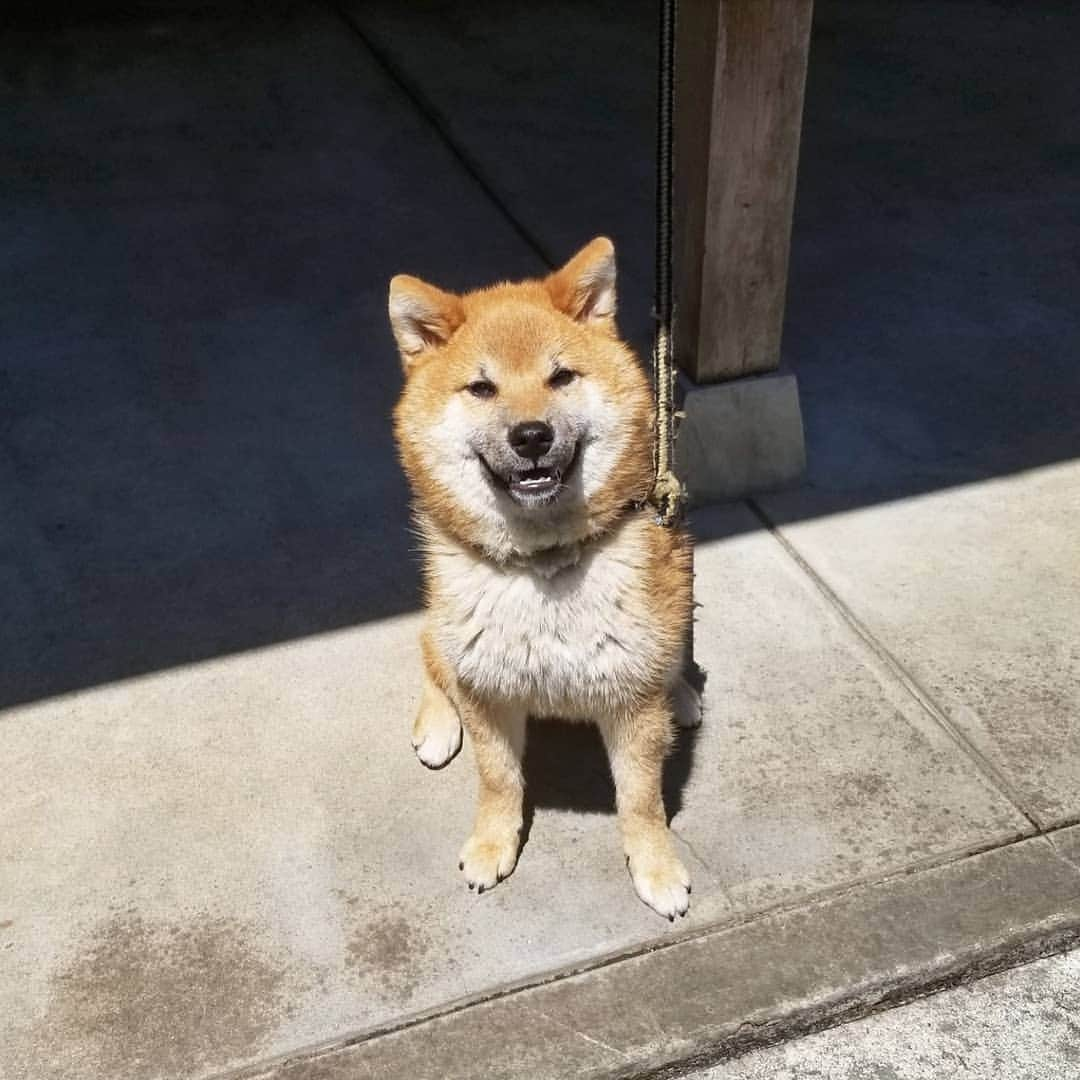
{"x": 566, "y": 768}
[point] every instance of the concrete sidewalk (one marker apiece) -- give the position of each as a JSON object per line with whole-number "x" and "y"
{"x": 219, "y": 855}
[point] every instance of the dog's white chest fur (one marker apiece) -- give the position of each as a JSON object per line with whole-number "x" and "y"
{"x": 573, "y": 644}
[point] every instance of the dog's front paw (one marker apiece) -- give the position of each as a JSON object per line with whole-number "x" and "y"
{"x": 436, "y": 734}
{"x": 660, "y": 879}
{"x": 487, "y": 858}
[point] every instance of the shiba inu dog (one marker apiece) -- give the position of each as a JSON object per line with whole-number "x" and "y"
{"x": 525, "y": 428}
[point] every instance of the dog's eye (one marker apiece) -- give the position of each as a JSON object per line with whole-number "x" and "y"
{"x": 562, "y": 377}
{"x": 481, "y": 388}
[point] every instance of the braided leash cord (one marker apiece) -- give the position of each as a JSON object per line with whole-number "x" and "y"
{"x": 668, "y": 496}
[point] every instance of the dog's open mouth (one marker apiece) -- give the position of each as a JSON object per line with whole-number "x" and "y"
{"x": 534, "y": 482}
{"x": 536, "y": 486}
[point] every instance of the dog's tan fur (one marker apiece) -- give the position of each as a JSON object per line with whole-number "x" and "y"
{"x": 578, "y": 609}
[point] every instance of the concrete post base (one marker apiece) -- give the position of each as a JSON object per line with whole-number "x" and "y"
{"x": 739, "y": 437}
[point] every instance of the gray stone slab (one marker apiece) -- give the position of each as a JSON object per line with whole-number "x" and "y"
{"x": 1017, "y": 1025}
{"x": 739, "y": 437}
{"x": 976, "y": 591}
{"x": 729, "y": 990}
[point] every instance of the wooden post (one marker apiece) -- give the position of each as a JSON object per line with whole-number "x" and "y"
{"x": 741, "y": 73}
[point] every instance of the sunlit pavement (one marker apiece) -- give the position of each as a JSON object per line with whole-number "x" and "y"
{"x": 218, "y": 850}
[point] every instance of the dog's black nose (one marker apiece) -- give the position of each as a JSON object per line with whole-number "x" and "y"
{"x": 531, "y": 439}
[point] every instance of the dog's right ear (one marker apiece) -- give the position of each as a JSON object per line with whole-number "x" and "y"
{"x": 585, "y": 287}
{"x": 421, "y": 316}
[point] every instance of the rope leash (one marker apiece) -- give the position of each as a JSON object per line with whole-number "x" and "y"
{"x": 668, "y": 496}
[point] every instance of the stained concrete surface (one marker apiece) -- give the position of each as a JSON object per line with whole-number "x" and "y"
{"x": 1018, "y": 1025}
{"x": 733, "y": 988}
{"x": 209, "y": 633}
{"x": 272, "y": 798}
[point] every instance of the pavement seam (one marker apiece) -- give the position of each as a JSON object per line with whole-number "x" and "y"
{"x": 437, "y": 122}
{"x": 447, "y": 1009}
{"x": 990, "y": 771}
{"x": 580, "y": 1034}
{"x": 690, "y": 847}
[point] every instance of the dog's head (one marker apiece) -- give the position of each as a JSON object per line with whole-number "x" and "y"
{"x": 524, "y": 422}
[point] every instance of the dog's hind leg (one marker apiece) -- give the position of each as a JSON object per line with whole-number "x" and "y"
{"x": 436, "y": 736}
{"x": 637, "y": 743}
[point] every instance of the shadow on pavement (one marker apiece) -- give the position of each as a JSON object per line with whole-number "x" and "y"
{"x": 566, "y": 768}
{"x": 201, "y": 212}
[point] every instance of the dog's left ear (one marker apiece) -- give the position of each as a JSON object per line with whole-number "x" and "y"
{"x": 585, "y": 287}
